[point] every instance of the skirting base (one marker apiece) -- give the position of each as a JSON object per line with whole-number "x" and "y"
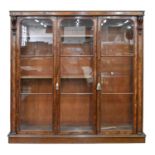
{"x": 20, "y": 138}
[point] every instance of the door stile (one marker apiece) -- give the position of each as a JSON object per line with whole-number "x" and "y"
{"x": 55, "y": 75}
{"x": 18, "y": 76}
{"x": 135, "y": 80}
{"x": 140, "y": 74}
{"x": 18, "y": 104}
{"x": 134, "y": 77}
{"x": 98, "y": 77}
{"x": 58, "y": 72}
{"x": 95, "y": 75}
{"x": 14, "y": 95}
{"x": 93, "y": 105}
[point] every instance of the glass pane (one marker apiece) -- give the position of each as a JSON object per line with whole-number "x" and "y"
{"x": 36, "y": 37}
{"x": 36, "y": 86}
{"x": 36, "y": 73}
{"x": 116, "y": 83}
{"x": 76, "y": 85}
{"x": 36, "y": 66}
{"x": 117, "y": 73}
{"x": 76, "y": 111}
{"x": 76, "y": 67}
{"x": 117, "y": 65}
{"x": 36, "y": 112}
{"x": 116, "y": 112}
{"x": 76, "y": 72}
{"x": 117, "y": 37}
{"x": 77, "y": 49}
{"x": 76, "y": 36}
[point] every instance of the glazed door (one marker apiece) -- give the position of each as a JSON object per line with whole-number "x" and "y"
{"x": 117, "y": 75}
{"x": 77, "y": 75}
{"x": 36, "y": 75}
{"x": 61, "y": 72}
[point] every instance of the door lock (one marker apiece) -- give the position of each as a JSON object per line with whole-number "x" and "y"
{"x": 98, "y": 86}
{"x": 57, "y": 86}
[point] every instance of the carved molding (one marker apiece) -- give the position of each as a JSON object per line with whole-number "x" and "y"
{"x": 140, "y": 24}
{"x": 13, "y": 24}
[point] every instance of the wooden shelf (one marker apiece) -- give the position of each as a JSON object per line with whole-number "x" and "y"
{"x": 83, "y": 43}
{"x": 36, "y": 93}
{"x": 40, "y": 36}
{"x": 115, "y": 43}
{"x": 76, "y": 77}
{"x": 76, "y": 55}
{"x": 36, "y": 77}
{"x": 117, "y": 127}
{"x": 75, "y": 128}
{"x": 29, "y": 56}
{"x": 76, "y": 93}
{"x": 36, "y": 127}
{"x": 110, "y": 93}
{"x": 113, "y": 74}
{"x": 125, "y": 55}
{"x": 77, "y": 36}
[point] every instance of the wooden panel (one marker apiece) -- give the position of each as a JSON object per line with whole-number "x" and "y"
{"x": 77, "y": 49}
{"x": 76, "y": 67}
{"x": 36, "y": 48}
{"x": 36, "y": 86}
{"x": 117, "y": 65}
{"x": 116, "y": 83}
{"x": 76, "y": 86}
{"x": 36, "y": 112}
{"x": 37, "y": 67}
{"x": 116, "y": 111}
{"x": 70, "y": 22}
{"x": 76, "y": 110}
{"x": 116, "y": 49}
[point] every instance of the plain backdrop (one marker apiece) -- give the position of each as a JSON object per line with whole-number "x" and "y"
{"x": 149, "y": 78}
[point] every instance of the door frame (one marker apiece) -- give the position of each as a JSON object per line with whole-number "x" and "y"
{"x": 135, "y": 76}
{"x": 18, "y": 79}
{"x": 59, "y": 19}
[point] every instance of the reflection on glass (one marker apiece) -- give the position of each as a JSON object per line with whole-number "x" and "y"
{"x": 36, "y": 48}
{"x": 77, "y": 36}
{"x": 76, "y": 71}
{"x": 117, "y": 36}
{"x": 36, "y": 37}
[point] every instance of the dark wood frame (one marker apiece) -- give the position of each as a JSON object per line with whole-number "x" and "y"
{"x": 134, "y": 75}
{"x": 137, "y": 135}
{"x": 94, "y": 19}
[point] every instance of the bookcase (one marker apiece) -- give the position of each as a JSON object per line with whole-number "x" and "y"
{"x": 76, "y": 77}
